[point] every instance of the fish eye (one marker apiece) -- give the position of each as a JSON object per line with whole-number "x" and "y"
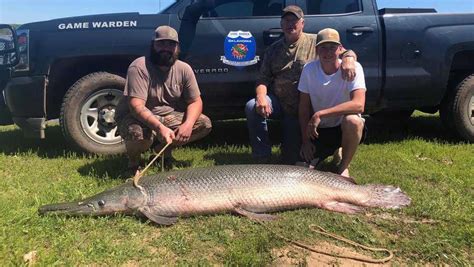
{"x": 101, "y": 203}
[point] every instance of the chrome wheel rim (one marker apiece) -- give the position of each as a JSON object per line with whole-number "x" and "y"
{"x": 97, "y": 117}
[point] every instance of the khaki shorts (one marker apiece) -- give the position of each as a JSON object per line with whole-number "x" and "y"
{"x": 132, "y": 129}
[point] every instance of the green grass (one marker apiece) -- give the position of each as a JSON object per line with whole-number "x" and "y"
{"x": 436, "y": 170}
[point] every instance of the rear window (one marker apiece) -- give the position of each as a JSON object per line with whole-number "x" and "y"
{"x": 319, "y": 7}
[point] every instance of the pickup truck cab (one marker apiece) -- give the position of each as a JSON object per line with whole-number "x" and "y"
{"x": 74, "y": 68}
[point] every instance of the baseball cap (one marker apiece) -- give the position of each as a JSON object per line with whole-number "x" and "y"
{"x": 328, "y": 35}
{"x": 166, "y": 33}
{"x": 292, "y": 9}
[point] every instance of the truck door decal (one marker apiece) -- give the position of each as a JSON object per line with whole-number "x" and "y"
{"x": 239, "y": 49}
{"x": 98, "y": 24}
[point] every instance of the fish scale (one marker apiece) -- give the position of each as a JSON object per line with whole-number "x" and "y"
{"x": 250, "y": 190}
{"x": 261, "y": 188}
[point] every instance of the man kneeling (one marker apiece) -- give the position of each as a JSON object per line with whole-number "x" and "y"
{"x": 330, "y": 107}
{"x": 161, "y": 99}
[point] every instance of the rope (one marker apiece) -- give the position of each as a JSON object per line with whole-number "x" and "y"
{"x": 139, "y": 174}
{"x": 340, "y": 238}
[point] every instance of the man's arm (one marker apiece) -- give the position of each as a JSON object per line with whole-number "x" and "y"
{"x": 349, "y": 58}
{"x": 304, "y": 115}
{"x": 261, "y": 103}
{"x": 143, "y": 114}
{"x": 353, "y": 106}
{"x": 264, "y": 79}
{"x": 193, "y": 111}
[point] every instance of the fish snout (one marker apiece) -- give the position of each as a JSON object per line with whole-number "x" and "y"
{"x": 69, "y": 208}
{"x": 90, "y": 206}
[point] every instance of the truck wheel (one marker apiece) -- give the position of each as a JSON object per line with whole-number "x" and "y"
{"x": 457, "y": 110}
{"x": 88, "y": 113}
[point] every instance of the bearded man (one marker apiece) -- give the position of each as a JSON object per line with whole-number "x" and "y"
{"x": 162, "y": 101}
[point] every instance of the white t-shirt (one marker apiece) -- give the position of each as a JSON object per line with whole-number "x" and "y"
{"x": 328, "y": 90}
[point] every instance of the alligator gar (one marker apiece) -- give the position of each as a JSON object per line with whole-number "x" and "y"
{"x": 248, "y": 190}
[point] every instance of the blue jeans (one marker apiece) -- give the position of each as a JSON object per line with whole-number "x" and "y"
{"x": 258, "y": 131}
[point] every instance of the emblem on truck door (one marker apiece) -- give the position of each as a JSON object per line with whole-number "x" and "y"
{"x": 239, "y": 49}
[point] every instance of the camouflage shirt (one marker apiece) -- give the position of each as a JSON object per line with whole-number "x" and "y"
{"x": 281, "y": 69}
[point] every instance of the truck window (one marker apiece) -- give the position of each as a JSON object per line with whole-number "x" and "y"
{"x": 245, "y": 8}
{"x": 317, "y": 7}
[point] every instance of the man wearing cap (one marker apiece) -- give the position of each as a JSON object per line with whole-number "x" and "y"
{"x": 330, "y": 107}
{"x": 161, "y": 99}
{"x": 280, "y": 71}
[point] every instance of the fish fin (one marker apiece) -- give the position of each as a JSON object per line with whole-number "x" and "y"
{"x": 342, "y": 207}
{"x": 157, "y": 218}
{"x": 385, "y": 196}
{"x": 255, "y": 216}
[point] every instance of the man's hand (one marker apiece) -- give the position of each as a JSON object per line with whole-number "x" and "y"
{"x": 312, "y": 127}
{"x": 262, "y": 106}
{"x": 348, "y": 68}
{"x": 307, "y": 151}
{"x": 165, "y": 134}
{"x": 183, "y": 133}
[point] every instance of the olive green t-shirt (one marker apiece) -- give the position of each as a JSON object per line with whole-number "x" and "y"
{"x": 163, "y": 92}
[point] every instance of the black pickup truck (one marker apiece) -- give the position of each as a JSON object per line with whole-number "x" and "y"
{"x": 74, "y": 68}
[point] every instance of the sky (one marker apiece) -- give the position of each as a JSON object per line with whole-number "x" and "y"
{"x": 23, "y": 11}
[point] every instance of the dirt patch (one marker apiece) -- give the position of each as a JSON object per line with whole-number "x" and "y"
{"x": 296, "y": 256}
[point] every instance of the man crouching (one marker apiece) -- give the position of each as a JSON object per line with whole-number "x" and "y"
{"x": 161, "y": 100}
{"x": 330, "y": 108}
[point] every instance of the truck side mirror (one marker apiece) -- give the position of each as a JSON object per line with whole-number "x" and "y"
{"x": 8, "y": 47}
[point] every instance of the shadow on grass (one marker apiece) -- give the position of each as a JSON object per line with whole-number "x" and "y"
{"x": 115, "y": 167}
{"x": 428, "y": 128}
{"x": 109, "y": 167}
{"x": 53, "y": 146}
{"x": 221, "y": 158}
{"x": 234, "y": 132}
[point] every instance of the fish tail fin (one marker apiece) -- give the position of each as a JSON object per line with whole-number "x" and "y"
{"x": 387, "y": 197}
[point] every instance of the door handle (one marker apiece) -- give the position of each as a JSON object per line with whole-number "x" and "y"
{"x": 271, "y": 35}
{"x": 359, "y": 30}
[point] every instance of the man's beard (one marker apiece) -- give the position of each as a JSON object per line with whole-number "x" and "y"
{"x": 163, "y": 58}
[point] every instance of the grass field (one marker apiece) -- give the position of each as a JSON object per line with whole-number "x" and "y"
{"x": 436, "y": 170}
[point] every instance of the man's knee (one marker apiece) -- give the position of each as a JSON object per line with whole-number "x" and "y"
{"x": 352, "y": 123}
{"x": 205, "y": 124}
{"x": 201, "y": 128}
{"x": 250, "y": 107}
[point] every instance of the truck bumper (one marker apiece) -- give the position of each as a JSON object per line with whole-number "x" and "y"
{"x": 26, "y": 100}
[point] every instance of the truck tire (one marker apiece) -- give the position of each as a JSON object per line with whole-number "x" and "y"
{"x": 88, "y": 113}
{"x": 457, "y": 109}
